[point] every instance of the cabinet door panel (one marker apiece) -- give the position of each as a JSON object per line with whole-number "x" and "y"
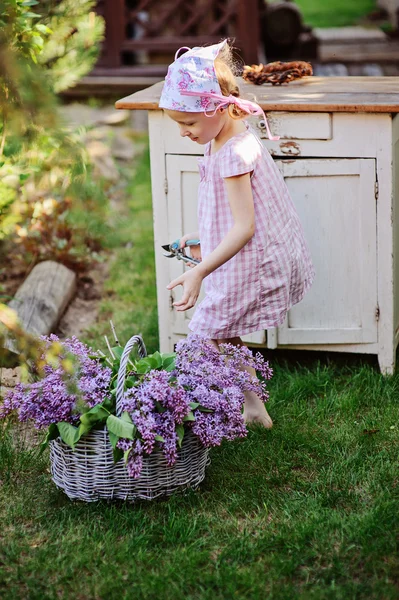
{"x": 183, "y": 181}
{"x": 336, "y": 203}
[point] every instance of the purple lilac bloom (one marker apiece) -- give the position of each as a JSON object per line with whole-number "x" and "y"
{"x": 218, "y": 380}
{"x": 54, "y": 397}
{"x": 156, "y": 406}
{"x": 203, "y": 375}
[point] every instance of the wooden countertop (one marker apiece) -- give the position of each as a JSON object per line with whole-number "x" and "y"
{"x": 313, "y": 94}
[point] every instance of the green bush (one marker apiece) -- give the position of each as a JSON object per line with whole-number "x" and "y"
{"x": 45, "y": 47}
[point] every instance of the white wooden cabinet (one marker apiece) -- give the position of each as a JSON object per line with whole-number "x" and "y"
{"x": 339, "y": 155}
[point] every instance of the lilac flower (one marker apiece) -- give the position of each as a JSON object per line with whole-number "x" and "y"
{"x": 214, "y": 381}
{"x": 218, "y": 380}
{"x": 156, "y": 406}
{"x": 54, "y": 398}
{"x": 205, "y": 392}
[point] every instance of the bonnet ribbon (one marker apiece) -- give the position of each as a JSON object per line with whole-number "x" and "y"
{"x": 246, "y": 105}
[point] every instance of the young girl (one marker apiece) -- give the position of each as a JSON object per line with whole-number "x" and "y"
{"x": 254, "y": 259}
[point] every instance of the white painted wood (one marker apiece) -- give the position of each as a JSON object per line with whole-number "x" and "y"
{"x": 395, "y": 190}
{"x": 336, "y": 204}
{"x": 159, "y": 198}
{"x": 256, "y": 338}
{"x": 354, "y": 238}
{"x": 386, "y": 206}
{"x": 353, "y": 136}
{"x": 300, "y": 126}
{"x": 183, "y": 181}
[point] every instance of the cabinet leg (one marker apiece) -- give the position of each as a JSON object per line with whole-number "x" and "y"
{"x": 387, "y": 362}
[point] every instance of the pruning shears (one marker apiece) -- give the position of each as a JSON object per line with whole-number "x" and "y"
{"x": 174, "y": 251}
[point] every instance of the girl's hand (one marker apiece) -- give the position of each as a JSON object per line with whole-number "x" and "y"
{"x": 195, "y": 251}
{"x": 191, "y": 282}
{"x": 188, "y": 236}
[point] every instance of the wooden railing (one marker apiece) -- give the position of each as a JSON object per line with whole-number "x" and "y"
{"x": 143, "y": 35}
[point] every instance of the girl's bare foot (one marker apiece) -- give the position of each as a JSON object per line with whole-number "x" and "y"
{"x": 255, "y": 411}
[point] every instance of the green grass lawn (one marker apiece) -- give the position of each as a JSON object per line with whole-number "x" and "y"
{"x": 129, "y": 297}
{"x": 308, "y": 510}
{"x": 335, "y": 13}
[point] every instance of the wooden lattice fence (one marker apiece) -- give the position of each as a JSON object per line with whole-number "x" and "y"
{"x": 142, "y": 35}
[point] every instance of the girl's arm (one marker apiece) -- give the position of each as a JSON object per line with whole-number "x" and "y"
{"x": 242, "y": 207}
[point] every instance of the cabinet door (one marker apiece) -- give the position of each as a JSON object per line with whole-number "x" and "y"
{"x": 183, "y": 180}
{"x": 335, "y": 199}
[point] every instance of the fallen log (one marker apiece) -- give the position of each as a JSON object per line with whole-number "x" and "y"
{"x": 42, "y": 298}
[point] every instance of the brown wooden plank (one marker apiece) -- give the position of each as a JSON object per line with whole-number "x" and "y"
{"x": 362, "y": 52}
{"x": 169, "y": 43}
{"x": 342, "y": 94}
{"x": 114, "y": 16}
{"x": 248, "y": 30}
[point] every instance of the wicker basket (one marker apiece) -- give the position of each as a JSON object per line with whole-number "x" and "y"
{"x": 89, "y": 473}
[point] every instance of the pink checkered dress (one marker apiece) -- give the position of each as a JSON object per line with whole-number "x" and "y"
{"x": 255, "y": 288}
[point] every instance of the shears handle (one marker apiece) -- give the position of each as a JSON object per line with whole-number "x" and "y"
{"x": 176, "y": 244}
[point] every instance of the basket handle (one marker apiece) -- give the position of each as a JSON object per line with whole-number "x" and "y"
{"x": 136, "y": 339}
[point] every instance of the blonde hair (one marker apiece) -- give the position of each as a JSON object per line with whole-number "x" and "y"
{"x": 226, "y": 70}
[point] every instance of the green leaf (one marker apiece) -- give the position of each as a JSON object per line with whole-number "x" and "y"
{"x": 113, "y": 439}
{"x": 126, "y": 455}
{"x": 43, "y": 28}
{"x": 83, "y": 429}
{"x": 168, "y": 363}
{"x": 159, "y": 438}
{"x": 109, "y": 404}
{"x": 94, "y": 415}
{"x": 126, "y": 417}
{"x": 150, "y": 362}
{"x": 180, "y": 434}
{"x": 142, "y": 367}
{"x": 117, "y": 351}
{"x": 68, "y": 433}
{"x": 117, "y": 454}
{"x": 121, "y": 428}
{"x": 204, "y": 409}
{"x": 157, "y": 359}
{"x": 189, "y": 417}
{"x": 52, "y": 434}
{"x": 194, "y": 405}
{"x": 29, "y": 2}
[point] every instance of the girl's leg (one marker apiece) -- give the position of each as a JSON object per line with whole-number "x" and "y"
{"x": 254, "y": 409}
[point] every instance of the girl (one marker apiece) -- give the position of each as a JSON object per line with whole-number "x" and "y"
{"x": 254, "y": 259}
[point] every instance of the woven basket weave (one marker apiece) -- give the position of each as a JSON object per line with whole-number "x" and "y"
{"x": 88, "y": 472}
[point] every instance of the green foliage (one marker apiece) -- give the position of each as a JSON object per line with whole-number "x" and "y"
{"x": 104, "y": 414}
{"x": 59, "y": 203}
{"x": 72, "y": 48}
{"x": 335, "y": 13}
{"x": 45, "y": 47}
